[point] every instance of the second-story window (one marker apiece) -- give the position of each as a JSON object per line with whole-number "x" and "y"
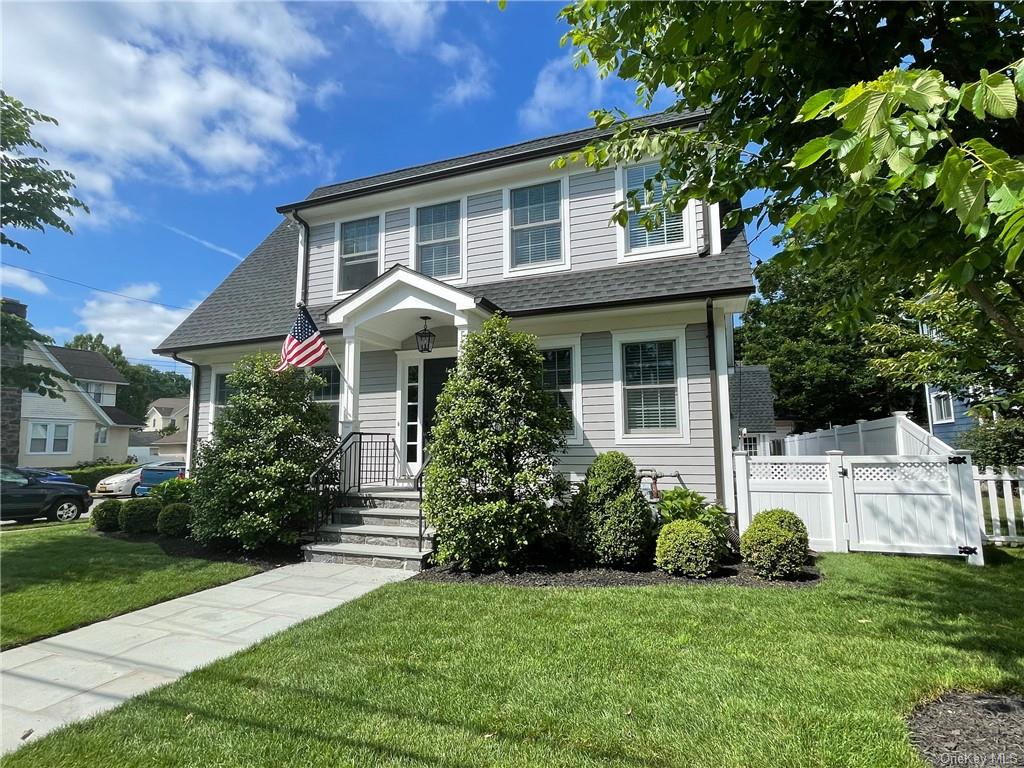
{"x": 673, "y": 225}
{"x": 537, "y": 224}
{"x": 94, "y": 389}
{"x": 437, "y": 240}
{"x": 359, "y": 251}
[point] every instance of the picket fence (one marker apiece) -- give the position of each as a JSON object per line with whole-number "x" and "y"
{"x": 912, "y": 504}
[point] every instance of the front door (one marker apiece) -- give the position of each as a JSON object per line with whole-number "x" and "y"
{"x": 424, "y": 378}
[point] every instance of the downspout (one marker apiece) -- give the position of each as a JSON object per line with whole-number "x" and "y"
{"x": 193, "y": 412}
{"x": 302, "y": 283}
{"x": 716, "y": 428}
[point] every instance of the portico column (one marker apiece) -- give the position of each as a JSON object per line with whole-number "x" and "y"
{"x": 350, "y": 385}
{"x": 463, "y": 327}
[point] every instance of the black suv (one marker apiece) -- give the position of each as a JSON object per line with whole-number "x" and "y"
{"x": 24, "y": 497}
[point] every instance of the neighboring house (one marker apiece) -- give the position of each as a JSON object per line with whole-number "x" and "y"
{"x": 754, "y": 426}
{"x": 947, "y": 416}
{"x": 635, "y": 325}
{"x": 85, "y": 425}
{"x": 167, "y": 412}
{"x": 174, "y": 444}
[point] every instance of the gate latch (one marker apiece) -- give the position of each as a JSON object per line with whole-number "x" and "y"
{"x": 958, "y": 460}
{"x": 967, "y": 550}
{"x": 844, "y": 472}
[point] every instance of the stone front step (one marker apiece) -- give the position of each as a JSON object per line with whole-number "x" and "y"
{"x": 376, "y": 535}
{"x": 409, "y": 559}
{"x": 392, "y": 516}
{"x": 400, "y": 498}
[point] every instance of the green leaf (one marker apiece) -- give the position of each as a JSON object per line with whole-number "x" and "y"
{"x": 809, "y": 153}
{"x": 970, "y": 205}
{"x": 977, "y": 101}
{"x": 813, "y": 106}
{"x": 925, "y": 93}
{"x": 629, "y": 67}
{"x": 998, "y": 97}
{"x": 868, "y": 113}
{"x": 1018, "y": 79}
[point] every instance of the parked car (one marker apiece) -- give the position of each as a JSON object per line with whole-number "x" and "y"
{"x": 127, "y": 483}
{"x": 46, "y": 474}
{"x": 24, "y": 497}
{"x": 155, "y": 475}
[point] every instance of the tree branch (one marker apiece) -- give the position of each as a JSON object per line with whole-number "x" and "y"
{"x": 1000, "y": 318}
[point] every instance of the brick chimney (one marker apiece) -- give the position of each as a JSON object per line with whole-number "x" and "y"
{"x": 10, "y": 397}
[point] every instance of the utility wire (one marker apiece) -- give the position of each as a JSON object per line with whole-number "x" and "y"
{"x": 94, "y": 288}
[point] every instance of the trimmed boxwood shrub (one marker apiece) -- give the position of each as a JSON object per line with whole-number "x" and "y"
{"x": 105, "y": 515}
{"x": 775, "y": 546}
{"x": 687, "y": 504}
{"x": 611, "y": 522}
{"x": 139, "y": 515}
{"x": 89, "y": 476}
{"x": 177, "y": 490}
{"x": 687, "y": 548}
{"x": 174, "y": 520}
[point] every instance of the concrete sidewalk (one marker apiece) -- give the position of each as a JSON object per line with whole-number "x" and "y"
{"x": 76, "y": 675}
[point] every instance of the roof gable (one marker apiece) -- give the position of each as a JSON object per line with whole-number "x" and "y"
{"x": 86, "y": 364}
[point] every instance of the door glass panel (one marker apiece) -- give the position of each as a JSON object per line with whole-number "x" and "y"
{"x": 412, "y": 414}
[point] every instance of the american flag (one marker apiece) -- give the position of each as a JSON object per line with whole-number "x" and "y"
{"x": 303, "y": 346}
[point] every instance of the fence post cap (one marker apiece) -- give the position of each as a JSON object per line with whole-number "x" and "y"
{"x": 861, "y": 421}
{"x": 739, "y": 453}
{"x": 834, "y": 453}
{"x": 819, "y": 429}
{"x": 900, "y": 414}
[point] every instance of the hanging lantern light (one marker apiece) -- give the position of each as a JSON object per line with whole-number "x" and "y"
{"x": 425, "y": 338}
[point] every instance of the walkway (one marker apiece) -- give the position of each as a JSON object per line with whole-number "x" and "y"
{"x": 81, "y": 673}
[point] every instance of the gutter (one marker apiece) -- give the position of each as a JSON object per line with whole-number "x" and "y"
{"x": 193, "y": 409}
{"x": 716, "y": 426}
{"x": 302, "y": 283}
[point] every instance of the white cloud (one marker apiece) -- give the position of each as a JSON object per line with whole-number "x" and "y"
{"x": 12, "y": 277}
{"x": 204, "y": 243}
{"x": 202, "y": 95}
{"x": 136, "y": 326}
{"x": 472, "y": 73}
{"x": 407, "y": 24}
{"x": 326, "y": 92}
{"x": 563, "y": 96}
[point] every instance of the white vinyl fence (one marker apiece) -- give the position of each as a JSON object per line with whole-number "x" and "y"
{"x": 894, "y": 435}
{"x": 1000, "y": 500}
{"x": 908, "y": 504}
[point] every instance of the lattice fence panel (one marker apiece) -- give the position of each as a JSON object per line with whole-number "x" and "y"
{"x": 779, "y": 471}
{"x": 903, "y": 472}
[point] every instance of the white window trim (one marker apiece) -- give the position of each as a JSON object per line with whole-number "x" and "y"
{"x": 215, "y": 370}
{"x": 682, "y": 435}
{"x": 573, "y": 341}
{"x": 565, "y": 264}
{"x": 935, "y": 415}
{"x": 336, "y": 286}
{"x": 49, "y": 438}
{"x": 623, "y": 255}
{"x": 414, "y": 262}
{"x": 106, "y": 434}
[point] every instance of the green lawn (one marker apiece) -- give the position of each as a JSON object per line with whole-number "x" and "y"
{"x": 420, "y": 674}
{"x": 56, "y": 578}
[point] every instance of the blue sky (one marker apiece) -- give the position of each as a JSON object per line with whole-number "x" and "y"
{"x": 186, "y": 124}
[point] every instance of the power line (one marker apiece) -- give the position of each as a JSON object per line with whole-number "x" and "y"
{"x": 94, "y": 288}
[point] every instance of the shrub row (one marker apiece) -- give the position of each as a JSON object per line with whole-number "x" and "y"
{"x": 143, "y": 515}
{"x": 89, "y": 476}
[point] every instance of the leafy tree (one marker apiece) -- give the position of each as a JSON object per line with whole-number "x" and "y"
{"x": 492, "y": 452}
{"x": 17, "y": 332}
{"x": 820, "y": 373}
{"x": 997, "y": 443}
{"x": 251, "y": 476}
{"x": 960, "y": 352}
{"x": 752, "y": 66}
{"x": 145, "y": 383}
{"x": 35, "y": 195}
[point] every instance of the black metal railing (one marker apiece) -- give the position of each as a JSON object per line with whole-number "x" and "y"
{"x": 361, "y": 459}
{"x": 418, "y": 485}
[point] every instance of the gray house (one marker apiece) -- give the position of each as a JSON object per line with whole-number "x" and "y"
{"x": 635, "y": 325}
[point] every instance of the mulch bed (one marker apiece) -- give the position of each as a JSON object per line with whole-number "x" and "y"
{"x": 738, "y": 575}
{"x": 970, "y": 729}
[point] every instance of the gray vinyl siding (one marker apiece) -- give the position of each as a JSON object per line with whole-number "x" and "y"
{"x": 695, "y": 461}
{"x": 377, "y": 380}
{"x": 396, "y": 238}
{"x": 205, "y": 401}
{"x": 321, "y": 264}
{"x": 484, "y": 233}
{"x": 592, "y": 239}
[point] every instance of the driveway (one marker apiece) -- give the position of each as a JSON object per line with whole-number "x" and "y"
{"x": 81, "y": 673}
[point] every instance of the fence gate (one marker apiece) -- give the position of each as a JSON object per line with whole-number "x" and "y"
{"x": 902, "y": 504}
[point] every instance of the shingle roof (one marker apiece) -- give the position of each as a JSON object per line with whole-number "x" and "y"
{"x": 85, "y": 364}
{"x": 165, "y": 406}
{"x": 547, "y": 146}
{"x": 175, "y": 438}
{"x": 139, "y": 439}
{"x": 121, "y": 418}
{"x": 751, "y": 398}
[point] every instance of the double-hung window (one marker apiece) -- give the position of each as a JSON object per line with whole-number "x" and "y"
{"x": 329, "y": 395}
{"x": 221, "y": 392}
{"x": 942, "y": 408}
{"x": 49, "y": 437}
{"x": 360, "y": 249}
{"x": 557, "y": 380}
{"x": 536, "y": 224}
{"x": 102, "y": 433}
{"x": 94, "y": 389}
{"x": 437, "y": 240}
{"x": 672, "y": 228}
{"x": 650, "y": 387}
